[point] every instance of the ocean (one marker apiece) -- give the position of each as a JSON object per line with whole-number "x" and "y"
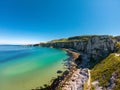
{"x": 26, "y": 68}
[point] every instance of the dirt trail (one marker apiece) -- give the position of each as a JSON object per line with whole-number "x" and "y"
{"x": 89, "y": 80}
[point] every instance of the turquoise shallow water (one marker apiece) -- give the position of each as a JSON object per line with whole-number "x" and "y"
{"x": 24, "y": 68}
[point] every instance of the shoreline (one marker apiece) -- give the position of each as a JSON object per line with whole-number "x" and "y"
{"x": 78, "y": 74}
{"x": 71, "y": 66}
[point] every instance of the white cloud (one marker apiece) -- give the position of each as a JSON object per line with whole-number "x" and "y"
{"x": 18, "y": 42}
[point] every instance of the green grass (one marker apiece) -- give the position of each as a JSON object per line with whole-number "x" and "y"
{"x": 83, "y": 38}
{"x": 64, "y": 40}
{"x": 77, "y": 38}
{"x": 118, "y": 47}
{"x": 74, "y": 39}
{"x": 104, "y": 70}
{"x": 59, "y": 40}
{"x": 85, "y": 86}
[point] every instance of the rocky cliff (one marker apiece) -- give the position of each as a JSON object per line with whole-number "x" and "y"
{"x": 117, "y": 38}
{"x": 96, "y": 47}
{"x": 92, "y": 49}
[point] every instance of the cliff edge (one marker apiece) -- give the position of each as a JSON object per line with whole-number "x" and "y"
{"x": 96, "y": 47}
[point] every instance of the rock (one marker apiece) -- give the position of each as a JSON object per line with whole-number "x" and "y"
{"x": 76, "y": 81}
{"x": 117, "y": 38}
{"x": 59, "y": 71}
{"x": 96, "y": 47}
{"x": 66, "y": 73}
{"x": 111, "y": 83}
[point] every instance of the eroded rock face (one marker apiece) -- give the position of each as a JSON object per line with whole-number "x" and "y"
{"x": 117, "y": 38}
{"x": 96, "y": 47}
{"x": 100, "y": 47}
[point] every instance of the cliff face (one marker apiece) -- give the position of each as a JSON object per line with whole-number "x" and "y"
{"x": 117, "y": 38}
{"x": 100, "y": 47}
{"x": 96, "y": 47}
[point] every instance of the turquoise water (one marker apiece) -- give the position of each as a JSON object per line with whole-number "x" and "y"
{"x": 24, "y": 68}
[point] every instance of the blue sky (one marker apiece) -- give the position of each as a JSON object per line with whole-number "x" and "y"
{"x": 33, "y": 21}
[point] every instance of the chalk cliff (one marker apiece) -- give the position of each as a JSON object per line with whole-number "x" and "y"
{"x": 96, "y": 47}
{"x": 92, "y": 49}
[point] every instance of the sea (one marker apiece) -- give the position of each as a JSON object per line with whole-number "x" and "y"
{"x": 27, "y": 67}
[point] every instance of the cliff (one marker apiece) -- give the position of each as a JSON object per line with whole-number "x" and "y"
{"x": 96, "y": 47}
{"x": 105, "y": 74}
{"x": 117, "y": 38}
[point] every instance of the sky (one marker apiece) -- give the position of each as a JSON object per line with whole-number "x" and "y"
{"x": 34, "y": 21}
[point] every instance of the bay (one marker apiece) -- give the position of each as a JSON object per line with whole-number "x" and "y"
{"x": 25, "y": 68}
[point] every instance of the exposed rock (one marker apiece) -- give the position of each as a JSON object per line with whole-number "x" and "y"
{"x": 117, "y": 54}
{"x": 78, "y": 77}
{"x": 59, "y": 71}
{"x": 100, "y": 47}
{"x": 92, "y": 50}
{"x": 111, "y": 83}
{"x": 96, "y": 85}
{"x": 66, "y": 73}
{"x": 96, "y": 47}
{"x": 77, "y": 80}
{"x": 78, "y": 60}
{"x": 117, "y": 38}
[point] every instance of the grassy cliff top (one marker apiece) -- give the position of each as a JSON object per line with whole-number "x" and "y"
{"x": 103, "y": 70}
{"x": 76, "y": 38}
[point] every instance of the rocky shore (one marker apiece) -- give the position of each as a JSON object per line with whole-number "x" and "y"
{"x": 76, "y": 75}
{"x": 110, "y": 85}
{"x": 77, "y": 80}
{"x": 96, "y": 47}
{"x": 79, "y": 76}
{"x": 71, "y": 67}
{"x": 84, "y": 54}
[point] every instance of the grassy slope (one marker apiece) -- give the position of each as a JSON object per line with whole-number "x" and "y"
{"x": 74, "y": 39}
{"x": 105, "y": 68}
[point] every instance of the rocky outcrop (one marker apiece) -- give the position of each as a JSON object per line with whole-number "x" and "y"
{"x": 77, "y": 80}
{"x": 96, "y": 47}
{"x": 96, "y": 85}
{"x": 100, "y": 47}
{"x": 117, "y": 38}
{"x": 111, "y": 83}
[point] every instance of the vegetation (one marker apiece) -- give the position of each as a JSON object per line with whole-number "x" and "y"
{"x": 103, "y": 70}
{"x": 117, "y": 87}
{"x": 83, "y": 38}
{"x": 59, "y": 40}
{"x": 85, "y": 86}
{"x": 74, "y": 39}
{"x": 118, "y": 47}
{"x": 92, "y": 87}
{"x": 117, "y": 38}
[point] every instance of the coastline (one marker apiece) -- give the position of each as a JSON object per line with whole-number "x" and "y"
{"x": 92, "y": 51}
{"x": 78, "y": 74}
{"x": 71, "y": 65}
